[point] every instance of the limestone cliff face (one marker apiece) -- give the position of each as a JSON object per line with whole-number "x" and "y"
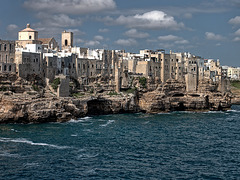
{"x": 22, "y": 102}
{"x": 32, "y": 109}
{"x": 173, "y": 97}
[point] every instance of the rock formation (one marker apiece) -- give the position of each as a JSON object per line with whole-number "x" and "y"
{"x": 26, "y": 102}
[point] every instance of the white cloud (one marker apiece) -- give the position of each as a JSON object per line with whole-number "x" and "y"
{"x": 78, "y": 40}
{"x": 70, "y": 6}
{"x": 173, "y": 39}
{"x": 237, "y": 33}
{"x": 182, "y": 42}
{"x": 212, "y": 36}
{"x": 187, "y": 15}
{"x": 92, "y": 43}
{"x": 60, "y": 20}
{"x": 98, "y": 38}
{"x": 12, "y": 27}
{"x": 235, "y": 21}
{"x": 169, "y": 38}
{"x": 76, "y": 31}
{"x": 104, "y": 30}
{"x": 126, "y": 42}
{"x": 133, "y": 33}
{"x": 236, "y": 39}
{"x": 150, "y": 20}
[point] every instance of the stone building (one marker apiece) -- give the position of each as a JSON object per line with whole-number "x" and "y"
{"x": 27, "y": 36}
{"x": 49, "y": 44}
{"x": 67, "y": 40}
{"x": 7, "y": 56}
{"x": 28, "y": 64}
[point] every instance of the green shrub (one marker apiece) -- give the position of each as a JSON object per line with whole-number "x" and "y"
{"x": 55, "y": 83}
{"x": 35, "y": 87}
{"x": 112, "y": 93}
{"x": 92, "y": 91}
{"x": 143, "y": 82}
{"x": 130, "y": 91}
{"x": 77, "y": 95}
{"x": 3, "y": 88}
{"x": 235, "y": 84}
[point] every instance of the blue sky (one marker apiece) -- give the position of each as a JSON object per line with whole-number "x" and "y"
{"x": 210, "y": 29}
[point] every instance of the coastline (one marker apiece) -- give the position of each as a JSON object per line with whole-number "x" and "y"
{"x": 33, "y": 108}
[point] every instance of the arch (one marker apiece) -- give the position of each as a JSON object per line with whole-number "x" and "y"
{"x": 66, "y": 42}
{"x": 30, "y": 37}
{"x": 10, "y": 68}
{"x": 5, "y": 68}
{"x": 5, "y": 47}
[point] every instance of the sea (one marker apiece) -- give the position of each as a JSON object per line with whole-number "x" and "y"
{"x": 176, "y": 145}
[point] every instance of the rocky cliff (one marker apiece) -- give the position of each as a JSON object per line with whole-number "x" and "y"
{"x": 172, "y": 96}
{"x": 24, "y": 102}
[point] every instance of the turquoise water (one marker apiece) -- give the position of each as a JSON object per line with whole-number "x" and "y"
{"x": 178, "y": 145}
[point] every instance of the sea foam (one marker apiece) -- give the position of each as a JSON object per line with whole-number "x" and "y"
{"x": 23, "y": 140}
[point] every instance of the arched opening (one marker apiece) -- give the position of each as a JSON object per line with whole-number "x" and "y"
{"x": 30, "y": 37}
{"x": 66, "y": 42}
{"x": 178, "y": 95}
{"x": 99, "y": 106}
{"x": 5, "y": 47}
{"x": 10, "y": 68}
{"x": 5, "y": 68}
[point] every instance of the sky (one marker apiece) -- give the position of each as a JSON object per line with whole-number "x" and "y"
{"x": 207, "y": 28}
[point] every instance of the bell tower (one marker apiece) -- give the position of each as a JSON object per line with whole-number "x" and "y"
{"x": 67, "y": 40}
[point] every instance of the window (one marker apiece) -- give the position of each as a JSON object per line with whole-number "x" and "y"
{"x": 10, "y": 68}
{"x": 36, "y": 59}
{"x": 66, "y": 42}
{"x": 30, "y": 37}
{"x": 5, "y": 67}
{"x": 5, "y": 47}
{"x": 6, "y": 58}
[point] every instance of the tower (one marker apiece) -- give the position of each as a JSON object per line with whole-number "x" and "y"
{"x": 67, "y": 40}
{"x": 28, "y": 34}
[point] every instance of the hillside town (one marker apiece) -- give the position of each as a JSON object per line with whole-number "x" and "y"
{"x": 32, "y": 56}
{"x": 156, "y": 80}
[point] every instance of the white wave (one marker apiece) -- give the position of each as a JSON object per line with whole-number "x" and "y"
{"x": 164, "y": 113}
{"x": 74, "y": 135}
{"x": 31, "y": 165}
{"x": 14, "y": 130}
{"x": 84, "y": 119}
{"x": 23, "y": 140}
{"x": 86, "y": 156}
{"x": 146, "y": 122}
{"x": 108, "y": 122}
{"x": 213, "y": 112}
{"x": 233, "y": 110}
{"x": 7, "y": 154}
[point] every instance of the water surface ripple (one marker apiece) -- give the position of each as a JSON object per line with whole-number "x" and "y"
{"x": 178, "y": 145}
